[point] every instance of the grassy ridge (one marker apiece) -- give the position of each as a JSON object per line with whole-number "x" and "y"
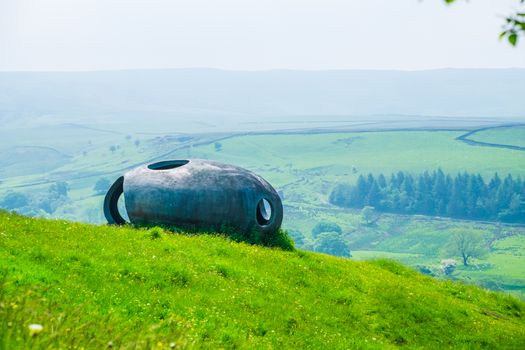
{"x": 513, "y": 136}
{"x": 90, "y": 285}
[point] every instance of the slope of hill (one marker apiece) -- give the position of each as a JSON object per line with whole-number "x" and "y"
{"x": 90, "y": 286}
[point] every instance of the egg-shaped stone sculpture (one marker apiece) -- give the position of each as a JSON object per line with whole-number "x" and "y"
{"x": 195, "y": 194}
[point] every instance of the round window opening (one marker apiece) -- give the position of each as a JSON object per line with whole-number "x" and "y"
{"x": 121, "y": 208}
{"x": 264, "y": 212}
{"x": 168, "y": 164}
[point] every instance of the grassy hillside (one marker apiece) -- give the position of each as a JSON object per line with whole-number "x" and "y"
{"x": 91, "y": 285}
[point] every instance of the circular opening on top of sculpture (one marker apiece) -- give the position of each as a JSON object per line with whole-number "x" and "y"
{"x": 264, "y": 212}
{"x": 168, "y": 164}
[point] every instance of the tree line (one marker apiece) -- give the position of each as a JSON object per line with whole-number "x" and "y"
{"x": 465, "y": 196}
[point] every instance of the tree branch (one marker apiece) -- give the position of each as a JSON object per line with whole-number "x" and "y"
{"x": 514, "y": 26}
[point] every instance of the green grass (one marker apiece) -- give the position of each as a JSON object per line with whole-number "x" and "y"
{"x": 513, "y": 136}
{"x": 370, "y": 254}
{"x": 91, "y": 285}
{"x": 330, "y": 156}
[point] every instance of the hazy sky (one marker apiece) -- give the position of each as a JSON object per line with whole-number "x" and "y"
{"x": 254, "y": 34}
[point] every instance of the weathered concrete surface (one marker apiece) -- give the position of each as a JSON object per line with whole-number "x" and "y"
{"x": 198, "y": 194}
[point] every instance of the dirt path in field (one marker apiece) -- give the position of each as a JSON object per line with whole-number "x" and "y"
{"x": 465, "y": 138}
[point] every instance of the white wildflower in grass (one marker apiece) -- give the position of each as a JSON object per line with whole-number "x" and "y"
{"x": 35, "y": 328}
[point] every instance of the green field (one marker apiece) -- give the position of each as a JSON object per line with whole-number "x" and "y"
{"x": 304, "y": 167}
{"x": 105, "y": 287}
{"x": 514, "y": 136}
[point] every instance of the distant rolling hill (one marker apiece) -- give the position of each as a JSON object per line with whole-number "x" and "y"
{"x": 30, "y": 160}
{"x": 205, "y": 99}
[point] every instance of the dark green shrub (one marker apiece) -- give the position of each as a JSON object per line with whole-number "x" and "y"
{"x": 325, "y": 226}
{"x": 331, "y": 243}
{"x": 279, "y": 239}
{"x": 297, "y": 237}
{"x": 14, "y": 200}
{"x": 155, "y": 232}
